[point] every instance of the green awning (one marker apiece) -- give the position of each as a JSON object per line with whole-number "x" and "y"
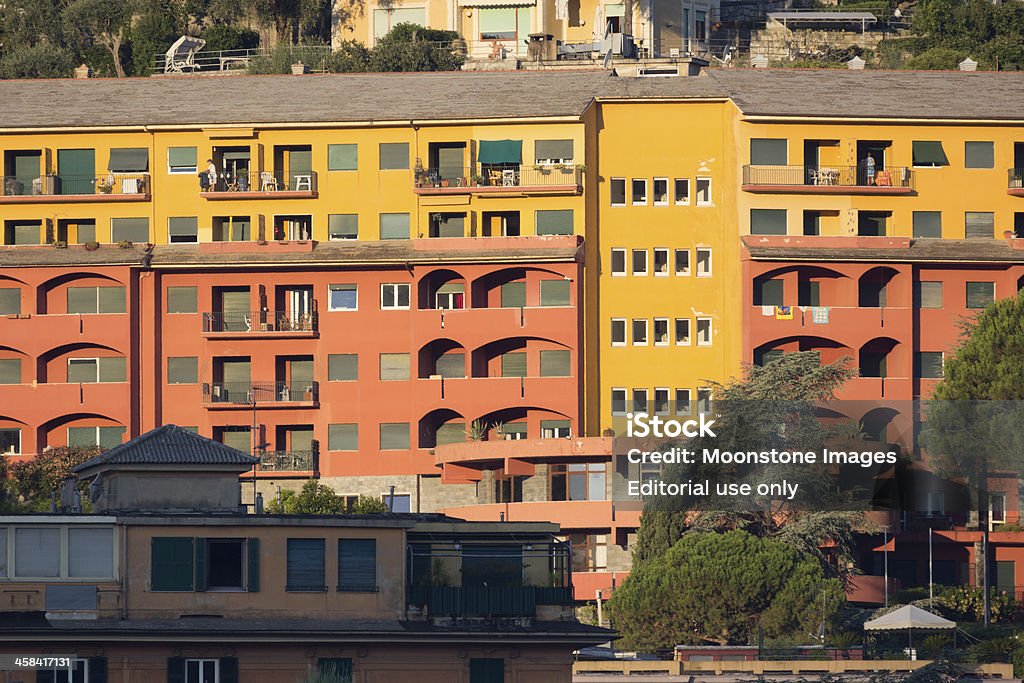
{"x": 500, "y": 152}
{"x": 929, "y": 153}
{"x": 128, "y": 160}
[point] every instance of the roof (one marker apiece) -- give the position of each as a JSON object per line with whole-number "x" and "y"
{"x": 288, "y": 99}
{"x": 837, "y": 93}
{"x": 918, "y": 250}
{"x": 169, "y": 445}
{"x": 908, "y": 617}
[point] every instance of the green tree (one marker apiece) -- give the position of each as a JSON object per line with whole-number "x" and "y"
{"x": 34, "y": 481}
{"x": 296, "y": 19}
{"x": 723, "y": 588}
{"x": 101, "y": 22}
{"x": 42, "y": 60}
{"x": 157, "y": 24}
{"x": 30, "y": 22}
{"x": 319, "y": 499}
{"x": 409, "y": 47}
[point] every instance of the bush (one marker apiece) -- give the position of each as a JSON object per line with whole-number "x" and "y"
{"x": 968, "y": 602}
{"x": 37, "y": 61}
{"x": 409, "y": 47}
{"x": 937, "y": 58}
{"x": 221, "y": 37}
{"x": 282, "y": 57}
{"x": 350, "y": 57}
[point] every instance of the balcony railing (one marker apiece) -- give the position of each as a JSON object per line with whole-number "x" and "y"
{"x": 826, "y": 179}
{"x": 498, "y": 178}
{"x": 1015, "y": 180}
{"x": 288, "y": 461}
{"x": 106, "y": 186}
{"x": 257, "y": 322}
{"x": 259, "y": 184}
{"x": 486, "y": 601}
{"x": 244, "y": 393}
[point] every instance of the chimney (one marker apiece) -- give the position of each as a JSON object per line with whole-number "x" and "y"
{"x": 83, "y": 72}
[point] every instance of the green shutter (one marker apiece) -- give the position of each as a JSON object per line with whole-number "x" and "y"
{"x": 182, "y": 299}
{"x": 25, "y": 232}
{"x": 82, "y": 436}
{"x": 450, "y": 432}
{"x": 555, "y": 363}
{"x": 451, "y": 364}
{"x": 340, "y": 668}
{"x": 394, "y": 155}
{"x": 486, "y": 671}
{"x": 979, "y": 225}
{"x": 513, "y": 295}
{"x": 175, "y": 670}
{"x": 357, "y": 564}
{"x": 111, "y": 299}
{"x": 768, "y": 222}
{"x": 129, "y": 229}
{"x": 86, "y": 232}
{"x": 343, "y": 437}
{"x": 113, "y": 369}
{"x": 929, "y": 153}
{"x": 82, "y": 299}
{"x": 343, "y": 226}
{"x": 201, "y": 564}
{"x": 82, "y": 371}
{"x": 770, "y": 293}
{"x": 770, "y": 152}
{"x": 128, "y": 160}
{"x": 928, "y": 364}
{"x": 111, "y": 436}
{"x": 342, "y": 367}
{"x": 182, "y": 156}
{"x": 513, "y": 364}
{"x": 500, "y": 151}
{"x": 980, "y": 294}
{"x": 77, "y": 171}
{"x": 394, "y": 436}
{"x": 97, "y": 670}
{"x": 927, "y": 224}
{"x": 552, "y": 149}
{"x": 554, "y": 221}
{"x": 10, "y": 371}
{"x": 394, "y": 226}
{"x": 342, "y": 157}
{"x": 10, "y": 301}
{"x": 928, "y": 294}
{"x": 979, "y": 155}
{"x": 183, "y": 370}
{"x": 305, "y": 565}
{"x": 171, "y": 567}
{"x": 252, "y": 583}
{"x": 183, "y": 229}
{"x": 555, "y": 293}
{"x": 394, "y": 366}
{"x": 228, "y": 670}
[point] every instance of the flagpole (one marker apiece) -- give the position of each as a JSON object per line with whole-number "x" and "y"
{"x": 931, "y": 580}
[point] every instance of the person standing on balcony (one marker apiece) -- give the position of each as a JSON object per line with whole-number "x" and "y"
{"x": 869, "y": 169}
{"x": 211, "y": 173}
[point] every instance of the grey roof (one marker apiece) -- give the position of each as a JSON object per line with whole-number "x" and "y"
{"x": 169, "y": 445}
{"x": 873, "y": 94}
{"x": 311, "y": 98}
{"x": 920, "y": 250}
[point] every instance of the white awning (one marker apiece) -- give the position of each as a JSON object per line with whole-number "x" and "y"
{"x": 497, "y": 3}
{"x": 908, "y": 617}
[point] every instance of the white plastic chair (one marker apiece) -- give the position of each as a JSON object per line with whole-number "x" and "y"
{"x": 268, "y": 183}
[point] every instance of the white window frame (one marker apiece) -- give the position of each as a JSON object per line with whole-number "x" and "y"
{"x": 452, "y": 307}
{"x": 64, "y": 554}
{"x": 647, "y": 401}
{"x": 668, "y": 401}
{"x": 625, "y": 332}
{"x": 632, "y": 263}
{"x": 688, "y": 410}
{"x": 330, "y": 303}
{"x": 710, "y": 197}
{"x": 647, "y": 331}
{"x": 97, "y": 428}
{"x": 625, "y": 262}
{"x": 940, "y": 496}
{"x": 711, "y": 331}
{"x": 654, "y": 329}
{"x": 625, "y": 401}
{"x": 18, "y": 448}
{"x": 685, "y": 201}
{"x": 397, "y": 288}
{"x": 180, "y": 170}
{"x": 80, "y": 361}
{"x": 708, "y": 272}
{"x": 688, "y": 339}
{"x": 556, "y": 432}
{"x": 632, "y": 193}
{"x": 991, "y": 508}
{"x": 654, "y": 262}
{"x": 689, "y": 263}
{"x": 625, "y": 198}
{"x": 387, "y": 495}
{"x": 203, "y": 661}
{"x": 654, "y": 192}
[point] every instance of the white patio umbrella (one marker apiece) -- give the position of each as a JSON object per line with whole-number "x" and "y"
{"x": 599, "y": 22}
{"x": 908, "y": 618}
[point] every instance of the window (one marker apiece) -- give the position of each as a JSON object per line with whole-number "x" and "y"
{"x": 305, "y": 565}
{"x": 394, "y": 296}
{"x": 661, "y": 262}
{"x": 927, "y": 224}
{"x": 682, "y": 331}
{"x": 222, "y": 670}
{"x": 928, "y": 364}
{"x": 342, "y": 157}
{"x": 172, "y": 564}
{"x": 767, "y": 221}
{"x": 618, "y": 262}
{"x": 37, "y": 552}
{"x": 342, "y": 367}
{"x": 182, "y": 160}
{"x": 979, "y": 225}
{"x": 640, "y": 401}
{"x": 928, "y": 294}
{"x": 129, "y": 230}
{"x": 553, "y": 152}
{"x": 618, "y": 401}
{"x": 661, "y": 331}
{"x": 683, "y": 406}
{"x": 618, "y": 191}
{"x": 513, "y": 431}
{"x": 682, "y": 188}
{"x": 10, "y": 301}
{"x": 386, "y": 19}
{"x": 394, "y": 367}
{"x": 447, "y": 225}
{"x": 10, "y": 371}
{"x": 703, "y": 263}
{"x": 769, "y": 152}
{"x": 661, "y": 191}
{"x": 513, "y": 364}
{"x": 92, "y": 370}
{"x": 343, "y": 297}
{"x": 639, "y": 189}
{"x": 997, "y": 508}
{"x": 556, "y": 363}
{"x": 979, "y": 155}
{"x": 105, "y": 437}
{"x": 554, "y": 222}
{"x": 10, "y": 444}
{"x": 183, "y": 370}
{"x": 343, "y": 226}
{"x": 704, "y": 333}
{"x": 513, "y": 295}
{"x": 397, "y": 502}
{"x": 661, "y": 406}
{"x": 357, "y": 564}
{"x": 74, "y": 552}
{"x": 78, "y": 671}
{"x": 394, "y": 436}
{"x": 639, "y": 332}
{"x": 451, "y": 364}
{"x": 394, "y": 226}
{"x": 504, "y": 23}
{"x": 555, "y": 429}
{"x": 96, "y": 299}
{"x": 394, "y": 156}
{"x": 980, "y": 294}
{"x": 182, "y": 299}
{"x": 936, "y": 503}
{"x": 579, "y": 481}
{"x": 703, "y": 191}
{"x": 703, "y": 401}
{"x": 486, "y": 670}
{"x": 128, "y": 160}
{"x": 555, "y": 293}
{"x": 224, "y": 564}
{"x": 22, "y": 232}
{"x": 929, "y": 153}
{"x": 682, "y": 261}
{"x": 183, "y": 229}
{"x": 618, "y": 333}
{"x": 639, "y": 262}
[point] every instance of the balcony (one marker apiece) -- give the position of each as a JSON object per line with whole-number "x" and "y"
{"x": 486, "y": 601}
{"x": 63, "y": 189}
{"x": 557, "y": 179}
{"x": 277, "y": 324}
{"x": 234, "y": 395}
{"x": 37, "y": 333}
{"x": 262, "y": 185}
{"x": 852, "y": 325}
{"x": 288, "y": 461}
{"x": 1015, "y": 182}
{"x": 892, "y": 180}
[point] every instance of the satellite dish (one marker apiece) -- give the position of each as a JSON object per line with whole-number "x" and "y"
{"x": 608, "y": 59}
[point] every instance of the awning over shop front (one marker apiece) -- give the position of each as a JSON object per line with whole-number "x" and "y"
{"x": 500, "y": 152}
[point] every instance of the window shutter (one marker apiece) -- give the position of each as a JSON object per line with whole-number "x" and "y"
{"x": 82, "y": 371}
{"x": 182, "y": 156}
{"x": 767, "y": 221}
{"x": 342, "y": 367}
{"x": 81, "y": 300}
{"x": 97, "y": 670}
{"x": 228, "y": 670}
{"x": 182, "y": 299}
{"x": 928, "y": 294}
{"x": 10, "y": 301}
{"x": 46, "y": 676}
{"x": 394, "y": 226}
{"x": 111, "y": 299}
{"x": 513, "y": 364}
{"x": 394, "y": 366}
{"x": 175, "y": 670}
{"x": 980, "y": 294}
{"x": 394, "y": 155}
{"x": 979, "y": 224}
{"x": 451, "y": 432}
{"x": 131, "y": 229}
{"x": 928, "y": 224}
{"x": 253, "y": 569}
{"x": 90, "y": 553}
{"x": 394, "y": 436}
{"x": 979, "y": 155}
{"x": 10, "y": 371}
{"x": 554, "y": 221}
{"x": 111, "y": 436}
{"x": 768, "y": 152}
{"x": 513, "y": 295}
{"x": 201, "y": 569}
{"x": 770, "y": 293}
{"x": 452, "y": 364}
{"x": 305, "y": 565}
{"x": 553, "y": 149}
{"x": 128, "y": 160}
{"x": 928, "y": 153}
{"x": 341, "y": 668}
{"x": 343, "y": 437}
{"x": 342, "y": 157}
{"x": 929, "y": 364}
{"x": 357, "y": 564}
{"x": 555, "y": 363}
{"x": 112, "y": 369}
{"x": 171, "y": 565}
{"x": 185, "y": 228}
{"x": 486, "y": 671}
{"x": 343, "y": 226}
{"x": 183, "y": 370}
{"x": 554, "y": 293}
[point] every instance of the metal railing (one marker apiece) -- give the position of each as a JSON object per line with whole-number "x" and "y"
{"x": 248, "y": 393}
{"x": 260, "y": 181}
{"x": 486, "y": 601}
{"x": 1015, "y": 178}
{"x": 498, "y": 175}
{"x": 108, "y": 183}
{"x": 256, "y": 322}
{"x": 220, "y": 60}
{"x": 288, "y": 461}
{"x": 828, "y": 176}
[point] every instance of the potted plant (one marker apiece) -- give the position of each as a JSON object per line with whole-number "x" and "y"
{"x": 60, "y": 244}
{"x": 478, "y": 180}
{"x": 91, "y": 246}
{"x": 105, "y": 185}
{"x": 125, "y": 244}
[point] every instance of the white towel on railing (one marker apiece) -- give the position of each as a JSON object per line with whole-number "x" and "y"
{"x": 819, "y": 315}
{"x": 768, "y": 311}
